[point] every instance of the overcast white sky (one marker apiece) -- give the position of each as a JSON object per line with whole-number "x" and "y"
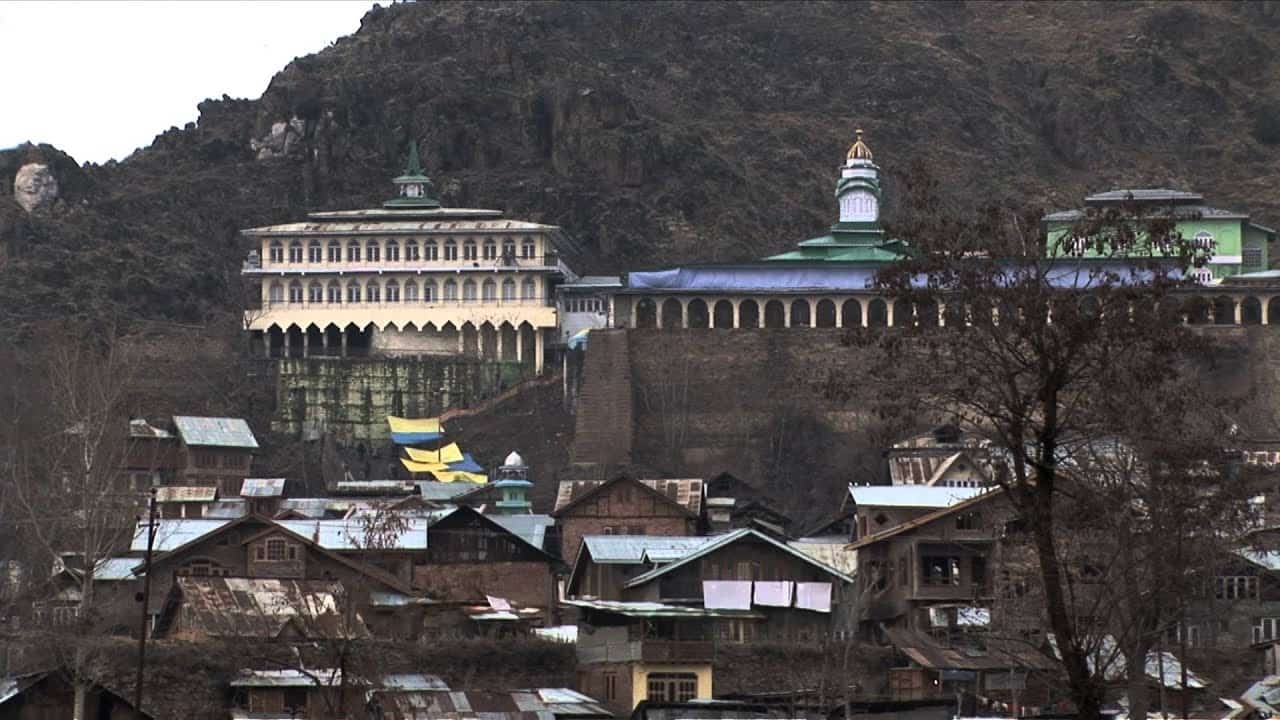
{"x": 100, "y": 79}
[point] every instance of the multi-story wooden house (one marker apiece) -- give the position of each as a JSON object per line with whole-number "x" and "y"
{"x": 626, "y": 506}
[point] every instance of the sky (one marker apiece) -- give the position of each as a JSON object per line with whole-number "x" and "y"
{"x": 99, "y": 79}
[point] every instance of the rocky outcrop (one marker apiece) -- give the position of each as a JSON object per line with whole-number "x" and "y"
{"x": 35, "y": 187}
{"x": 284, "y": 136}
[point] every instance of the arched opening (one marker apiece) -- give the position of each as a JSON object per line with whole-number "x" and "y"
{"x": 953, "y": 315}
{"x": 295, "y": 292}
{"x": 353, "y": 251}
{"x": 775, "y": 315}
{"x": 335, "y": 251}
{"x": 295, "y": 251}
{"x": 800, "y": 313}
{"x": 878, "y": 313}
{"x": 852, "y": 313}
{"x": 411, "y": 251}
{"x": 1006, "y": 313}
{"x": 646, "y": 313}
{"x": 373, "y": 251}
{"x": 372, "y": 293}
{"x": 275, "y": 253}
{"x": 723, "y": 314}
{"x": 1273, "y": 311}
{"x": 393, "y": 291}
{"x": 980, "y": 312}
{"x": 1224, "y": 311}
{"x": 430, "y": 251}
{"x": 353, "y": 292}
{"x": 902, "y": 314}
{"x": 927, "y": 314}
{"x": 698, "y": 316}
{"x": 429, "y": 291}
{"x": 410, "y": 291}
{"x": 275, "y": 293}
{"x": 529, "y": 289}
{"x": 672, "y": 314}
{"x": 490, "y": 249}
{"x": 1091, "y": 307}
{"x": 393, "y": 251}
{"x": 748, "y": 314}
{"x": 468, "y": 249}
{"x": 489, "y": 291}
{"x": 469, "y": 291}
{"x": 315, "y": 292}
{"x": 335, "y": 292}
{"x": 1197, "y": 310}
{"x": 825, "y": 314}
{"x": 1251, "y": 311}
{"x": 315, "y": 253}
{"x": 508, "y": 290}
{"x": 1143, "y": 310}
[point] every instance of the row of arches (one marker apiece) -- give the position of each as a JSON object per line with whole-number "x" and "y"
{"x": 391, "y": 250}
{"x": 504, "y": 341}
{"x": 825, "y": 312}
{"x": 393, "y": 291}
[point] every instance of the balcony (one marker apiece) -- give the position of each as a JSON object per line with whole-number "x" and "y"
{"x": 647, "y": 651}
{"x": 257, "y": 265}
{"x": 406, "y": 304}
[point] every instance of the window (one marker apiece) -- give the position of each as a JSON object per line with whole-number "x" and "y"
{"x": 489, "y": 291}
{"x": 429, "y": 291}
{"x": 353, "y": 251}
{"x": 315, "y": 253}
{"x": 1203, "y": 241}
{"x": 508, "y": 249}
{"x": 1252, "y": 257}
{"x": 410, "y": 291}
{"x": 203, "y": 567}
{"x": 940, "y": 570}
{"x": 393, "y": 291}
{"x": 353, "y": 292}
{"x": 393, "y": 251}
{"x": 1191, "y": 633}
{"x": 469, "y": 249}
{"x": 276, "y": 293}
{"x": 469, "y": 291}
{"x": 969, "y": 521}
{"x": 529, "y": 290}
{"x": 275, "y": 549}
{"x": 903, "y": 565}
{"x": 508, "y": 289}
{"x": 372, "y": 251}
{"x": 672, "y": 687}
{"x": 1204, "y": 276}
{"x": 736, "y": 631}
{"x": 1266, "y": 628}
{"x": 372, "y": 293}
{"x": 527, "y": 249}
{"x": 295, "y": 699}
{"x": 450, "y": 290}
{"x": 276, "y": 253}
{"x": 450, "y": 249}
{"x": 315, "y": 293}
{"x": 295, "y": 292}
{"x": 295, "y": 252}
{"x": 335, "y": 251}
{"x": 411, "y": 251}
{"x": 748, "y": 570}
{"x": 490, "y": 249}
{"x": 335, "y": 292}
{"x": 1235, "y": 587}
{"x": 610, "y": 686}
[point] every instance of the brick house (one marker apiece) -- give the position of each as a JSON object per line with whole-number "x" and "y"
{"x": 626, "y": 506}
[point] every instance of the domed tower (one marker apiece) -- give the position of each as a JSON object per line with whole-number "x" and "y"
{"x": 858, "y": 189}
{"x": 413, "y": 188}
{"x": 513, "y": 479}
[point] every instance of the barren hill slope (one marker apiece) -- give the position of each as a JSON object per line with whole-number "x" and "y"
{"x": 665, "y": 132}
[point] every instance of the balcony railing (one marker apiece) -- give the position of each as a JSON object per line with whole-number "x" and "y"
{"x": 257, "y": 264}
{"x": 404, "y": 304}
{"x": 677, "y": 650}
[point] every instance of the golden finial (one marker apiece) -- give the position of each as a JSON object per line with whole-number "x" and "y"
{"x": 859, "y": 150}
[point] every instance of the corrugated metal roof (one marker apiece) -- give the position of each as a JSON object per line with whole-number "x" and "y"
{"x": 432, "y": 490}
{"x": 1144, "y": 194}
{"x": 632, "y": 549}
{"x": 728, "y": 539}
{"x": 262, "y": 607}
{"x": 1269, "y": 559}
{"x": 116, "y": 568}
{"x": 174, "y": 493}
{"x": 262, "y": 487}
{"x": 392, "y": 225}
{"x": 921, "y": 496}
{"x": 226, "y": 509}
{"x": 349, "y": 533}
{"x": 311, "y": 507}
{"x": 172, "y": 533}
{"x": 287, "y": 678}
{"x": 833, "y": 554}
{"x": 215, "y": 432}
{"x": 414, "y": 681}
{"x": 530, "y": 528}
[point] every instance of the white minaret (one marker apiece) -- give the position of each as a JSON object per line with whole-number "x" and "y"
{"x": 858, "y": 191}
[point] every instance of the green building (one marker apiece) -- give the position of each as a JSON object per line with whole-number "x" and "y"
{"x": 1237, "y": 246}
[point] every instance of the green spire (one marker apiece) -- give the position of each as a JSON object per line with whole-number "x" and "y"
{"x": 414, "y": 166}
{"x": 413, "y": 188}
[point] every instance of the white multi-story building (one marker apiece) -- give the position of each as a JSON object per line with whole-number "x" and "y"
{"x": 409, "y": 278}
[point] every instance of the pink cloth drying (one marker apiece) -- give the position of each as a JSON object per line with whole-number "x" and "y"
{"x": 726, "y": 594}
{"x": 773, "y": 594}
{"x": 814, "y": 596}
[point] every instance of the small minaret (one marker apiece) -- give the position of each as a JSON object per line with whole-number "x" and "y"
{"x": 858, "y": 190}
{"x": 413, "y": 188}
{"x": 513, "y": 479}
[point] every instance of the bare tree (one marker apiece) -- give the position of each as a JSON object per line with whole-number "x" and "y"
{"x": 1024, "y": 341}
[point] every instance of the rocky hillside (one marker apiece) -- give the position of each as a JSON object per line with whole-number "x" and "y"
{"x": 658, "y": 133}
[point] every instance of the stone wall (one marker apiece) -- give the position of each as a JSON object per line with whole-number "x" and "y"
{"x": 603, "y": 432}
{"x": 351, "y": 398}
{"x": 414, "y": 342}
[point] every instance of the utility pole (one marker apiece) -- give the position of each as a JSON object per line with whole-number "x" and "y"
{"x": 146, "y": 602}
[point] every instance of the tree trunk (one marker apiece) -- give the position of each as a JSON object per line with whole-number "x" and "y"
{"x": 80, "y": 694}
{"x": 1135, "y": 661}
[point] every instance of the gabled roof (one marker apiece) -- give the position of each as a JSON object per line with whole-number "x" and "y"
{"x": 633, "y": 549}
{"x": 262, "y": 487}
{"x": 917, "y": 496}
{"x": 985, "y": 495}
{"x": 215, "y": 432}
{"x": 528, "y": 529}
{"x": 685, "y": 493}
{"x": 729, "y": 539}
